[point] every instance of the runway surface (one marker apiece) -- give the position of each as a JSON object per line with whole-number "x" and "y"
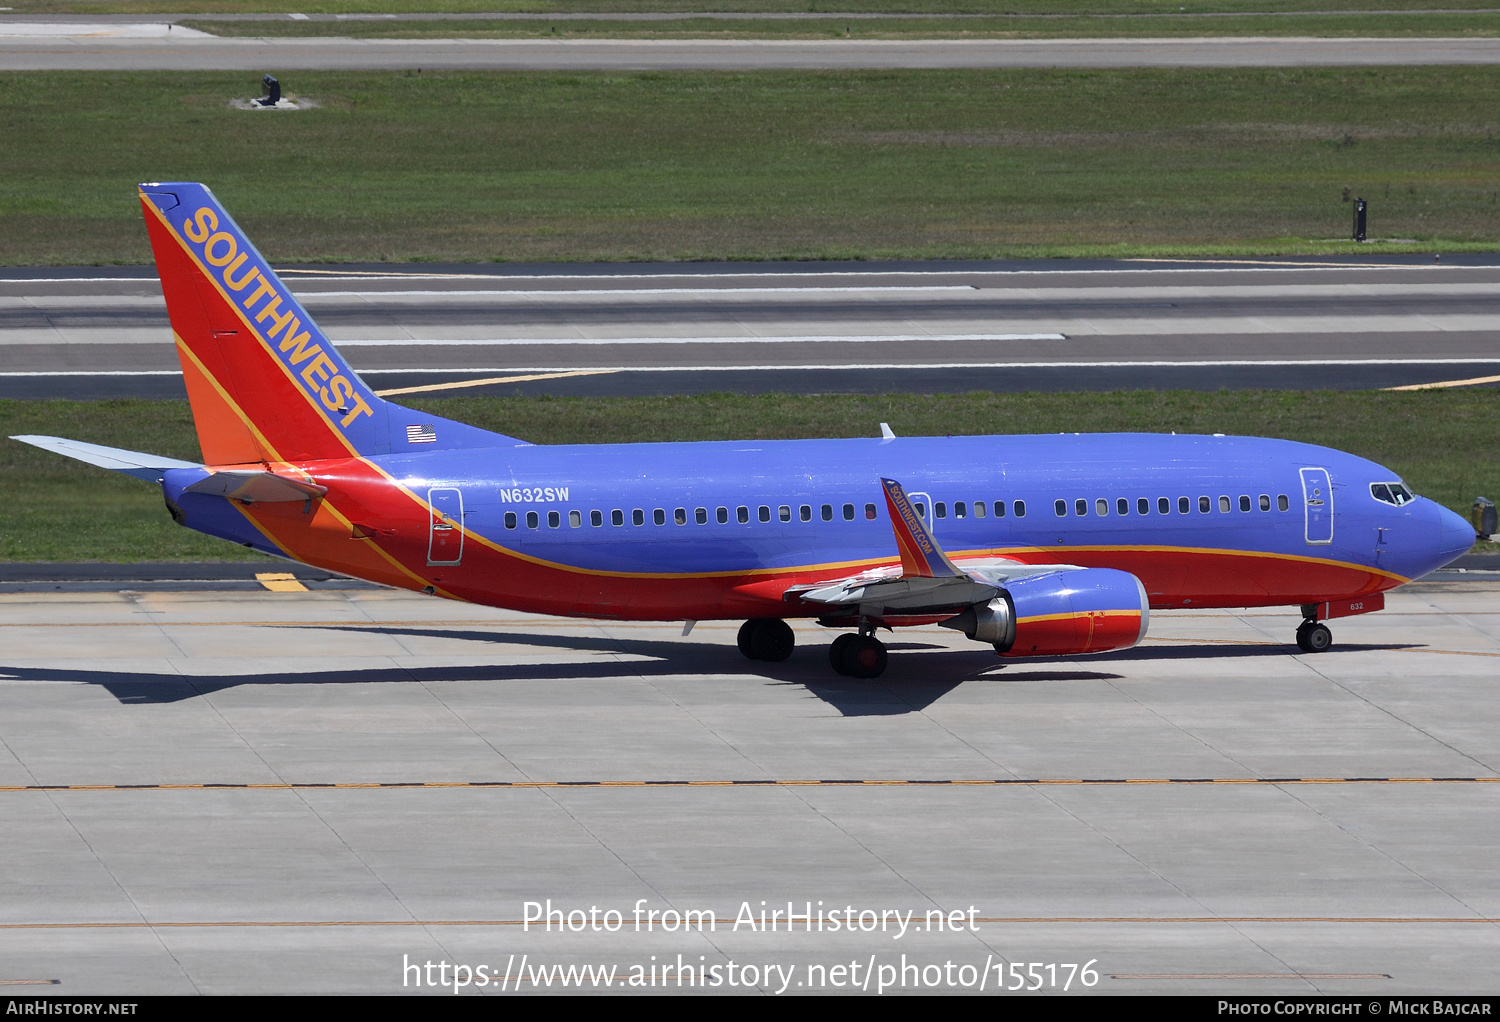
{"x": 286, "y": 792}
{"x": 113, "y": 46}
{"x": 807, "y": 328}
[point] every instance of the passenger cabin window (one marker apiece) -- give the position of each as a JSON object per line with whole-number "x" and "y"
{"x": 1020, "y": 509}
{"x": 575, "y": 519}
{"x": 638, "y": 516}
{"x": 1205, "y": 505}
{"x": 999, "y": 509}
{"x": 722, "y": 516}
{"x": 921, "y": 509}
{"x": 1080, "y": 507}
{"x": 941, "y": 508}
{"x": 1101, "y": 507}
{"x": 784, "y": 513}
{"x": 1182, "y": 505}
{"x": 680, "y": 516}
{"x": 659, "y": 516}
{"x": 1163, "y": 506}
{"x": 617, "y": 517}
{"x": 960, "y": 509}
{"x": 1223, "y": 504}
{"x": 1281, "y": 502}
{"x": 1061, "y": 507}
{"x": 1244, "y": 503}
{"x": 805, "y": 512}
{"x": 870, "y": 512}
{"x": 1265, "y": 502}
{"x": 1394, "y": 493}
{"x": 742, "y": 514}
{"x": 765, "y": 513}
{"x": 531, "y": 520}
{"x": 510, "y": 519}
{"x": 826, "y": 512}
{"x": 700, "y": 515}
{"x": 596, "y": 518}
{"x": 554, "y": 519}
{"x": 979, "y": 509}
{"x": 848, "y": 512}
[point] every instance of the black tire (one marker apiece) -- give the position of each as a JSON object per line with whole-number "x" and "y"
{"x": 771, "y": 640}
{"x": 746, "y": 630}
{"x": 865, "y": 657}
{"x": 1314, "y": 637}
{"x": 837, "y": 650}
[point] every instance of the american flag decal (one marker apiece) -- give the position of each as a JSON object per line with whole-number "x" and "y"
{"x": 422, "y": 434}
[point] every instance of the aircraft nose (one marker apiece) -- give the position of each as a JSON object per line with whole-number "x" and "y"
{"x": 1455, "y": 536}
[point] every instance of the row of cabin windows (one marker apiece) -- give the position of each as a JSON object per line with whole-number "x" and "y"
{"x": 680, "y": 516}
{"x": 961, "y": 509}
{"x": 1164, "y": 505}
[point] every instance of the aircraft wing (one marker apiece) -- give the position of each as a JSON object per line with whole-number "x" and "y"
{"x": 149, "y": 467}
{"x": 927, "y": 581}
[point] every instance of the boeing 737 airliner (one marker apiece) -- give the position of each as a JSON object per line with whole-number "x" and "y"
{"x": 1037, "y": 545}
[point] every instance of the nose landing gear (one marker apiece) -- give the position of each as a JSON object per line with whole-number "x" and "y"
{"x": 1314, "y": 637}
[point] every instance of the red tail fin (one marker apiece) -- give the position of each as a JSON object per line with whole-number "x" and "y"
{"x": 264, "y": 382}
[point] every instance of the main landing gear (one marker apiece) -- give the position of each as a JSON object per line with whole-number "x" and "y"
{"x": 1314, "y": 636}
{"x": 858, "y": 656}
{"x": 766, "y": 638}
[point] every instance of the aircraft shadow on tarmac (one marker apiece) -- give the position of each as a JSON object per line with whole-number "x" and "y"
{"x": 911, "y": 684}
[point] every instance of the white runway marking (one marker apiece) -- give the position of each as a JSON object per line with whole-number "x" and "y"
{"x": 344, "y": 275}
{"x": 1123, "y": 364}
{"x": 796, "y": 339}
{"x": 547, "y": 293}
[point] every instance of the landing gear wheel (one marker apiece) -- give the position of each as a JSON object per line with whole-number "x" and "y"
{"x": 767, "y": 638}
{"x": 864, "y": 657}
{"x": 743, "y": 640}
{"x": 837, "y": 650}
{"x": 1314, "y": 637}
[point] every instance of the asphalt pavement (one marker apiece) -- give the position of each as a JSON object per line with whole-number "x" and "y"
{"x": 923, "y": 327}
{"x": 147, "y": 46}
{"x": 301, "y": 792}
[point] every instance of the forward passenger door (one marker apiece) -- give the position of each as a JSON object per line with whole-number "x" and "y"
{"x": 1317, "y": 506}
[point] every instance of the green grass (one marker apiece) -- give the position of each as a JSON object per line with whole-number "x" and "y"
{"x": 1442, "y": 442}
{"x": 1386, "y": 25}
{"x": 710, "y": 165}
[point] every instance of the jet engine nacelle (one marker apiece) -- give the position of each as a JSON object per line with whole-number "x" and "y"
{"x": 1090, "y": 610}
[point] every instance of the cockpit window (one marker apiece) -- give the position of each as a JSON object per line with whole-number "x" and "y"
{"x": 1395, "y": 494}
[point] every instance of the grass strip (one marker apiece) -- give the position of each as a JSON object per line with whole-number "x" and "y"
{"x": 479, "y": 166}
{"x": 1440, "y": 441}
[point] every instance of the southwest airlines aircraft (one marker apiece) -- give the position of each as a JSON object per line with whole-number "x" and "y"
{"x": 1050, "y": 545}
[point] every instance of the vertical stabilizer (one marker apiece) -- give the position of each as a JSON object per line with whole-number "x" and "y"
{"x": 264, "y": 382}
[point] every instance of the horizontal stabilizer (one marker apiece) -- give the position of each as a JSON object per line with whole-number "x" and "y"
{"x": 150, "y": 467}
{"x": 256, "y": 487}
